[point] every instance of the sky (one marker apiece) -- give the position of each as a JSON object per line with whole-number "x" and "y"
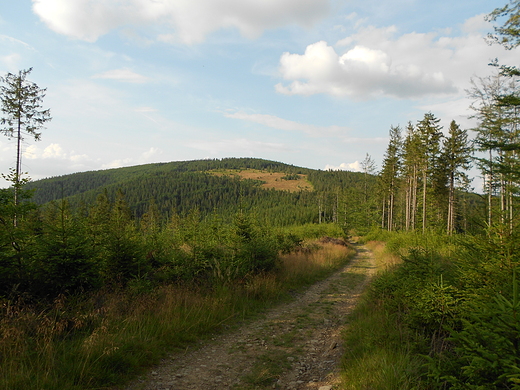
{"x": 313, "y": 83}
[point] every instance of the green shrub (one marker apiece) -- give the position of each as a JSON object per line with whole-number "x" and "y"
{"x": 486, "y": 350}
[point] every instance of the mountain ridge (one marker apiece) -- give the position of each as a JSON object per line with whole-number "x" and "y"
{"x": 181, "y": 186}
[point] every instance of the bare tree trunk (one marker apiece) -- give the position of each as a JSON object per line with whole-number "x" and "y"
{"x": 408, "y": 203}
{"x": 383, "y": 213}
{"x": 319, "y": 209}
{"x": 490, "y": 190}
{"x": 510, "y": 208}
{"x": 414, "y": 198}
{"x": 451, "y": 205}
{"x": 424, "y": 203}
{"x": 391, "y": 213}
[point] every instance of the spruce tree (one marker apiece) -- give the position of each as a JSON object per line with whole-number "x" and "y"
{"x": 22, "y": 114}
{"x": 496, "y": 108}
{"x": 410, "y": 170}
{"x": 389, "y": 176}
{"x": 430, "y": 135}
{"x": 456, "y": 155}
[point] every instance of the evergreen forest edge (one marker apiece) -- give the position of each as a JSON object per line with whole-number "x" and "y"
{"x": 443, "y": 313}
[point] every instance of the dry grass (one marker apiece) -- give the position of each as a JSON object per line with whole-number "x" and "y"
{"x": 272, "y": 180}
{"x": 384, "y": 259}
{"x": 103, "y": 340}
{"x": 325, "y": 256}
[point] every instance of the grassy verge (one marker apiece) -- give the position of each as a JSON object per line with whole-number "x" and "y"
{"x": 444, "y": 314}
{"x": 105, "y": 340}
{"x": 381, "y": 351}
{"x": 301, "y": 269}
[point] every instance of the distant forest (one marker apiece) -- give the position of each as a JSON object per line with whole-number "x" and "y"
{"x": 180, "y": 187}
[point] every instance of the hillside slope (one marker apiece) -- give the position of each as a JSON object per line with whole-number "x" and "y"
{"x": 283, "y": 194}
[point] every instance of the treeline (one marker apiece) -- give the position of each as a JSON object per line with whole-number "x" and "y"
{"x": 78, "y": 183}
{"x": 51, "y": 250}
{"x": 180, "y": 187}
{"x": 422, "y": 182}
{"x": 446, "y": 309}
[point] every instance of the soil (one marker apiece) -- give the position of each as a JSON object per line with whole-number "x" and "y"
{"x": 295, "y": 346}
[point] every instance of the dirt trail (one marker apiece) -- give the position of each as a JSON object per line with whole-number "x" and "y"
{"x": 294, "y": 346}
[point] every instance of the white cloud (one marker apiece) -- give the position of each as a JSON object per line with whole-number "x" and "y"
{"x": 360, "y": 72}
{"x": 53, "y": 151}
{"x": 476, "y": 24}
{"x": 189, "y": 21}
{"x": 147, "y": 155}
{"x": 144, "y": 158}
{"x": 118, "y": 163}
{"x": 53, "y": 160}
{"x": 11, "y": 61}
{"x": 31, "y": 152}
{"x": 79, "y": 158}
{"x": 378, "y": 62}
{"x": 124, "y": 75}
{"x": 287, "y": 125}
{"x": 146, "y": 109}
{"x": 237, "y": 147}
{"x": 355, "y": 166}
{"x": 16, "y": 42}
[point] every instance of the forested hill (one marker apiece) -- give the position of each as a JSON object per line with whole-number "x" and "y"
{"x": 213, "y": 186}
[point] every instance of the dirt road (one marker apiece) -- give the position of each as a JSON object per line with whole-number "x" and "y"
{"x": 293, "y": 346}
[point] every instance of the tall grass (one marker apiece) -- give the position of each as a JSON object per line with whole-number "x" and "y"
{"x": 381, "y": 351}
{"x": 307, "y": 266}
{"x": 102, "y": 341}
{"x": 402, "y": 315}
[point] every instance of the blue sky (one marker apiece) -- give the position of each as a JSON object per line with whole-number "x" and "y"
{"x": 314, "y": 83}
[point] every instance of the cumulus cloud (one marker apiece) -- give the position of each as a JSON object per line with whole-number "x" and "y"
{"x": 52, "y": 160}
{"x": 124, "y": 75}
{"x": 52, "y": 152}
{"x": 287, "y": 125}
{"x": 379, "y": 62}
{"x": 188, "y": 21}
{"x": 355, "y": 166}
{"x": 360, "y": 72}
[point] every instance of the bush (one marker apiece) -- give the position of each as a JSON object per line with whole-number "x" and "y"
{"x": 486, "y": 350}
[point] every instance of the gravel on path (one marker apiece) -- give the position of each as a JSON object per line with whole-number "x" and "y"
{"x": 294, "y": 346}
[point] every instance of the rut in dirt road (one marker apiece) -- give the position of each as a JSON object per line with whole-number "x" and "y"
{"x": 294, "y": 346}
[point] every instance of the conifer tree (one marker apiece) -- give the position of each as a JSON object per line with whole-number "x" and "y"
{"x": 389, "y": 175}
{"x": 411, "y": 164}
{"x": 456, "y": 155}
{"x": 22, "y": 114}
{"x": 430, "y": 135}
{"x": 496, "y": 106}
{"x": 368, "y": 167}
{"x": 507, "y": 35}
